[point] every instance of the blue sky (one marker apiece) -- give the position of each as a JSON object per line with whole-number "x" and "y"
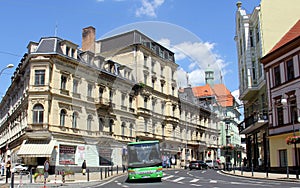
{"x": 200, "y": 32}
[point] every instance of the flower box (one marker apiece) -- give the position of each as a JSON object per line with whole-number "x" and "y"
{"x": 293, "y": 140}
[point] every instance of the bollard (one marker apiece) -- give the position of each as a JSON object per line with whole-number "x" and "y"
{"x": 12, "y": 180}
{"x": 117, "y": 169}
{"x": 63, "y": 176}
{"x": 242, "y": 170}
{"x": 233, "y": 169}
{"x": 105, "y": 172}
{"x": 101, "y": 173}
{"x": 30, "y": 176}
{"x": 20, "y": 182}
{"x": 252, "y": 169}
{"x": 88, "y": 174}
{"x": 112, "y": 169}
{"x": 287, "y": 172}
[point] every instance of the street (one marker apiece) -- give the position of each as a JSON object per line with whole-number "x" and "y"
{"x": 195, "y": 178}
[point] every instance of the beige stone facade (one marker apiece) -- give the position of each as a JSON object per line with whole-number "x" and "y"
{"x": 67, "y": 104}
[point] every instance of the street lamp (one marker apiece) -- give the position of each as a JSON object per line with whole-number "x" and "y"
{"x": 9, "y": 66}
{"x": 285, "y": 103}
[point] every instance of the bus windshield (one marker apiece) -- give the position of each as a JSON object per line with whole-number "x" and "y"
{"x": 144, "y": 154}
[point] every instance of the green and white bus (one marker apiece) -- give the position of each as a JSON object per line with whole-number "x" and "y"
{"x": 144, "y": 160}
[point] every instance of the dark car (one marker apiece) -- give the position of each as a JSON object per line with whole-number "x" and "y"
{"x": 198, "y": 165}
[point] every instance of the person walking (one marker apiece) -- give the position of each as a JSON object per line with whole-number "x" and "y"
{"x": 83, "y": 166}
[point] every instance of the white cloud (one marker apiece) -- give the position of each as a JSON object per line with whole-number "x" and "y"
{"x": 149, "y": 7}
{"x": 200, "y": 56}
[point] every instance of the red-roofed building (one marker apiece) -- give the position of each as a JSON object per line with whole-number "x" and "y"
{"x": 282, "y": 65}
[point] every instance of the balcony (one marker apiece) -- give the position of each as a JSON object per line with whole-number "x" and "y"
{"x": 104, "y": 103}
{"x": 143, "y": 112}
{"x": 255, "y": 122}
{"x": 252, "y": 90}
{"x": 172, "y": 119}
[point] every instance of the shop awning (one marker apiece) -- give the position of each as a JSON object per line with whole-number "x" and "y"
{"x": 36, "y": 148}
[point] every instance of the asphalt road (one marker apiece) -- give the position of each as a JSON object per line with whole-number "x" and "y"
{"x": 192, "y": 179}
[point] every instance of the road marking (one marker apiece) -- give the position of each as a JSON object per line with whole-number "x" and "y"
{"x": 197, "y": 185}
{"x": 178, "y": 179}
{"x": 167, "y": 177}
{"x": 176, "y": 172}
{"x": 194, "y": 180}
{"x": 213, "y": 181}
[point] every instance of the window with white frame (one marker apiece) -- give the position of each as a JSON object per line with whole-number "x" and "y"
{"x": 63, "y": 82}
{"x": 123, "y": 128}
{"x": 74, "y": 119}
{"x": 131, "y": 130}
{"x": 75, "y": 86}
{"x": 89, "y": 90}
{"x": 282, "y": 158}
{"x": 63, "y": 114}
{"x": 38, "y": 113}
{"x": 290, "y": 72}
{"x": 39, "y": 77}
{"x": 101, "y": 124}
{"x": 89, "y": 122}
{"x": 123, "y": 99}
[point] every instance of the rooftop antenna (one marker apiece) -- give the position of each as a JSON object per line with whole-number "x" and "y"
{"x": 55, "y": 31}
{"x": 221, "y": 77}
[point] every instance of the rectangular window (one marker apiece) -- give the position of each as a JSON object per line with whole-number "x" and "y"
{"x": 277, "y": 75}
{"x": 145, "y": 102}
{"x": 283, "y": 158}
{"x": 145, "y": 61}
{"x": 63, "y": 82}
{"x": 90, "y": 90}
{"x": 39, "y": 77}
{"x": 279, "y": 116}
{"x": 152, "y": 66}
{"x": 162, "y": 108}
{"x": 75, "y": 86}
{"x": 123, "y": 100}
{"x": 290, "y": 70}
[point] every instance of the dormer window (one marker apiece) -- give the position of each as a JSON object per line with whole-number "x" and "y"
{"x": 67, "y": 50}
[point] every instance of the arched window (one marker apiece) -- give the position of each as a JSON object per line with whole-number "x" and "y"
{"x": 89, "y": 122}
{"x": 62, "y": 116}
{"x": 74, "y": 119}
{"x": 111, "y": 123}
{"x": 123, "y": 128}
{"x": 38, "y": 113}
{"x": 101, "y": 124}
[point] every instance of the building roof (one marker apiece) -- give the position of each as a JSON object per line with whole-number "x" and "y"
{"x": 220, "y": 91}
{"x": 293, "y": 33}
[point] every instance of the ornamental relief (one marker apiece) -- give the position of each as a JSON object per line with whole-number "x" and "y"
{"x": 37, "y": 101}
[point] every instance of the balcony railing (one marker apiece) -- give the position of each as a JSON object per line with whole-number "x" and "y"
{"x": 256, "y": 118}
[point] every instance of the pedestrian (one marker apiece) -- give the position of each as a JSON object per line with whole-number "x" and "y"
{"x": 2, "y": 167}
{"x": 8, "y": 166}
{"x": 83, "y": 166}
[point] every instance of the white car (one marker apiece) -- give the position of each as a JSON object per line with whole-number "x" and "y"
{"x": 20, "y": 168}
{"x": 212, "y": 164}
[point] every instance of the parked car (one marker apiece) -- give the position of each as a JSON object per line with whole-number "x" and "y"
{"x": 20, "y": 168}
{"x": 198, "y": 165}
{"x": 213, "y": 164}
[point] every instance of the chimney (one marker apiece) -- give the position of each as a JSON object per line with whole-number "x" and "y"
{"x": 88, "y": 39}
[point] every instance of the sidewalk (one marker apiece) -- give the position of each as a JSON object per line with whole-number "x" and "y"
{"x": 262, "y": 175}
{"x": 56, "y": 180}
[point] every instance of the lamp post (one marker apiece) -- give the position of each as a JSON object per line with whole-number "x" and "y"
{"x": 9, "y": 66}
{"x": 285, "y": 103}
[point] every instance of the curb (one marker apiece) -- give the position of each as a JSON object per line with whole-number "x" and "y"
{"x": 255, "y": 177}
